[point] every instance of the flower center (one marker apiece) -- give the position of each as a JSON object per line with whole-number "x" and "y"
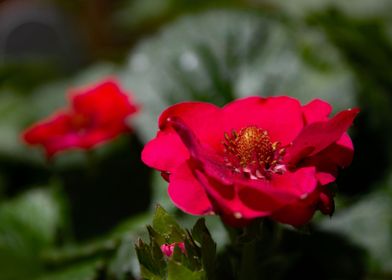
{"x": 251, "y": 152}
{"x": 80, "y": 123}
{"x": 251, "y": 145}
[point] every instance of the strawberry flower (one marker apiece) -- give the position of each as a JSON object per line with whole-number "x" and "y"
{"x": 96, "y": 114}
{"x": 255, "y": 157}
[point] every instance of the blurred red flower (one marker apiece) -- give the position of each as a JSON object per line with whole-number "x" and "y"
{"x": 96, "y": 114}
{"x": 253, "y": 158}
{"x": 168, "y": 249}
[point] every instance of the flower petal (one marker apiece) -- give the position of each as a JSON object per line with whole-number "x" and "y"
{"x": 165, "y": 152}
{"x": 257, "y": 198}
{"x": 327, "y": 162}
{"x": 53, "y": 133}
{"x": 202, "y": 118}
{"x": 228, "y": 204}
{"x": 187, "y": 193}
{"x": 298, "y": 213}
{"x": 301, "y": 182}
{"x": 104, "y": 103}
{"x": 326, "y": 203}
{"x": 319, "y": 135}
{"x": 316, "y": 110}
{"x": 280, "y": 116}
{"x": 204, "y": 156}
{"x": 261, "y": 196}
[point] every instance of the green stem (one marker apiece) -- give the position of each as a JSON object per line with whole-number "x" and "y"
{"x": 248, "y": 266}
{"x": 92, "y": 162}
{"x": 255, "y": 245}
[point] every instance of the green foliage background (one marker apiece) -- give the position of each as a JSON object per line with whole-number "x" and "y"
{"x": 79, "y": 216}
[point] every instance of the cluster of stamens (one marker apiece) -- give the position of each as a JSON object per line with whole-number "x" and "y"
{"x": 250, "y": 152}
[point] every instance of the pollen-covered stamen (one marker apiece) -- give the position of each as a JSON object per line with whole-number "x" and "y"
{"x": 251, "y": 152}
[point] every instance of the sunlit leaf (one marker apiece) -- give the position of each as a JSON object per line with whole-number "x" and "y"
{"x": 364, "y": 8}
{"x": 221, "y": 55}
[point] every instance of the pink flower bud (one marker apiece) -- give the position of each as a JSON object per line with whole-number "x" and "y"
{"x": 168, "y": 249}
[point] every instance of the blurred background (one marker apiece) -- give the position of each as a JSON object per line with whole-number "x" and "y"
{"x": 77, "y": 218}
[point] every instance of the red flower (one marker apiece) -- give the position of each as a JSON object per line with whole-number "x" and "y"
{"x": 253, "y": 158}
{"x": 96, "y": 114}
{"x": 168, "y": 249}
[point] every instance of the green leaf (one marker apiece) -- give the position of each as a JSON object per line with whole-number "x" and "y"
{"x": 36, "y": 212}
{"x": 201, "y": 234}
{"x": 176, "y": 271}
{"x": 153, "y": 264}
{"x": 166, "y": 225}
{"x": 28, "y": 226}
{"x": 151, "y": 259}
{"x": 198, "y": 260}
{"x": 192, "y": 258}
{"x": 14, "y": 111}
{"x": 364, "y": 8}
{"x": 155, "y": 236}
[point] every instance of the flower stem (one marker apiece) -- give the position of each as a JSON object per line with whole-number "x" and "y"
{"x": 254, "y": 248}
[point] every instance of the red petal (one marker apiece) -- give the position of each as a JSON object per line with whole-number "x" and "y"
{"x": 204, "y": 156}
{"x": 250, "y": 199}
{"x": 340, "y": 153}
{"x": 202, "y": 118}
{"x": 316, "y": 110}
{"x": 327, "y": 162}
{"x": 165, "y": 152}
{"x": 280, "y": 116}
{"x": 228, "y": 204}
{"x": 300, "y": 183}
{"x": 319, "y": 135}
{"x": 105, "y": 103}
{"x": 298, "y": 213}
{"x": 50, "y": 133}
{"x": 187, "y": 193}
{"x": 326, "y": 203}
{"x": 97, "y": 136}
{"x": 262, "y": 196}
